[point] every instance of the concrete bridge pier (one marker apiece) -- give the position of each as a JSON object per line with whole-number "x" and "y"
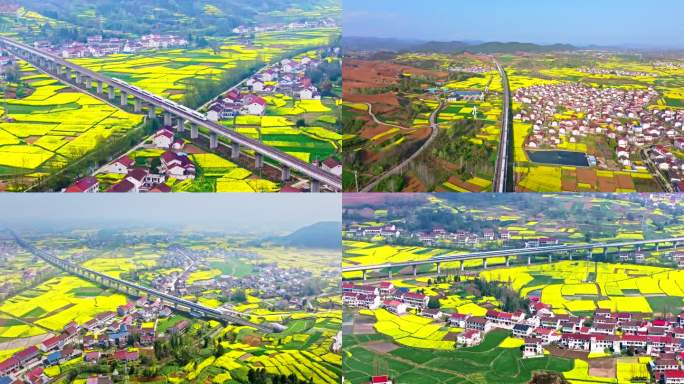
{"x": 508, "y": 261}
{"x": 180, "y": 124}
{"x": 168, "y": 119}
{"x": 124, "y": 98}
{"x": 529, "y": 260}
{"x": 99, "y": 87}
{"x": 86, "y": 82}
{"x": 79, "y": 78}
{"x": 484, "y": 263}
{"x": 151, "y": 111}
{"x": 316, "y": 187}
{"x": 213, "y": 140}
{"x": 194, "y": 131}
{"x": 389, "y": 273}
{"x": 462, "y": 267}
{"x": 439, "y": 268}
{"x": 285, "y": 176}
{"x": 67, "y": 73}
{"x": 414, "y": 269}
{"x": 363, "y": 273}
{"x": 112, "y": 93}
{"x": 137, "y": 106}
{"x": 657, "y": 247}
{"x": 258, "y": 161}
{"x": 605, "y": 251}
{"x": 234, "y": 151}
{"x": 550, "y": 259}
{"x": 570, "y": 256}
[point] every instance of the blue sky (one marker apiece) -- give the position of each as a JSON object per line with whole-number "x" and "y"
{"x": 253, "y": 212}
{"x": 579, "y": 22}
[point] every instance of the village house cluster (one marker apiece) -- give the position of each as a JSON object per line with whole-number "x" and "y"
{"x": 460, "y": 238}
{"x": 605, "y": 332}
{"x": 173, "y": 164}
{"x": 109, "y": 336}
{"x": 266, "y": 280}
{"x": 472, "y": 68}
{"x": 617, "y": 114}
{"x": 286, "y": 77}
{"x": 616, "y": 72}
{"x": 327, "y": 22}
{"x": 97, "y": 46}
{"x": 384, "y": 295}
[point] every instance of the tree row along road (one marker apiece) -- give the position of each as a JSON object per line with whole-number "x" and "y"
{"x": 286, "y": 160}
{"x": 502, "y": 182}
{"x": 434, "y": 126}
{"x": 124, "y": 286}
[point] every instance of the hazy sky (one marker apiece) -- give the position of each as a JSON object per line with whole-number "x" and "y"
{"x": 580, "y": 22}
{"x": 254, "y": 212}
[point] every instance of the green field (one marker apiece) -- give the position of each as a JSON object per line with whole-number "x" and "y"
{"x": 485, "y": 363}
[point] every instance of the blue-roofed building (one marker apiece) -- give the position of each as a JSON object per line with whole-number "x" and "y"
{"x": 119, "y": 337}
{"x": 5, "y": 380}
{"x": 54, "y": 358}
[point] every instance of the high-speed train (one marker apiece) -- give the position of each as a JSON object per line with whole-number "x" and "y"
{"x": 162, "y": 100}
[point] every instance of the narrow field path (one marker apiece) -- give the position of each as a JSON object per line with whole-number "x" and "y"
{"x": 398, "y": 168}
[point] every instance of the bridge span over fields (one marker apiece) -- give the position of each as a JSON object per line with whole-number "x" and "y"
{"x": 93, "y": 82}
{"x": 133, "y": 289}
{"x": 530, "y": 253}
{"x": 503, "y": 174}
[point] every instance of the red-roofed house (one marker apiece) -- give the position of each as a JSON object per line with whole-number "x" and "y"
{"x": 380, "y": 380}
{"x": 394, "y": 306}
{"x": 163, "y": 138}
{"x": 253, "y": 105}
{"x": 672, "y": 376}
{"x": 124, "y": 186}
{"x": 92, "y": 357}
{"x": 414, "y": 300}
{"x": 469, "y": 337}
{"x": 35, "y": 376}
{"x": 87, "y": 184}
{"x": 51, "y": 344}
{"x": 120, "y": 166}
{"x": 177, "y": 166}
{"x": 9, "y": 366}
{"x": 27, "y": 355}
{"x": 126, "y": 355}
{"x": 458, "y": 320}
{"x": 332, "y": 165}
{"x": 137, "y": 177}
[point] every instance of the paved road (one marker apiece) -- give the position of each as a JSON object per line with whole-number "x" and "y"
{"x": 282, "y": 158}
{"x": 502, "y": 173}
{"x": 397, "y": 169}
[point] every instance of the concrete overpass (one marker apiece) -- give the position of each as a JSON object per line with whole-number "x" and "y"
{"x": 503, "y": 173}
{"x": 173, "y": 113}
{"x": 133, "y": 289}
{"x": 530, "y": 253}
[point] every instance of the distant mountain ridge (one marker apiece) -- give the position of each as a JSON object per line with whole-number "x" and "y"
{"x": 399, "y": 45}
{"x": 325, "y": 234}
